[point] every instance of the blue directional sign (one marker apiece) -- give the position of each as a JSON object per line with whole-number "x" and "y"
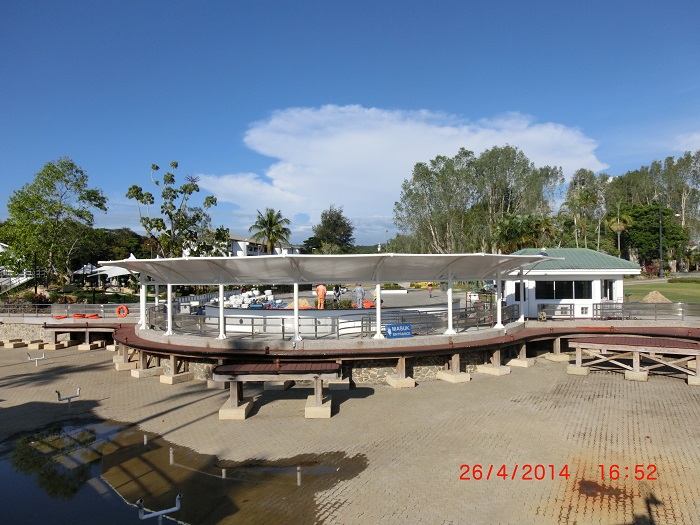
{"x": 394, "y": 331}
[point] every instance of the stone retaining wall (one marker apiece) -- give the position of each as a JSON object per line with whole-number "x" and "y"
{"x": 22, "y": 331}
{"x": 420, "y": 368}
{"x": 371, "y": 371}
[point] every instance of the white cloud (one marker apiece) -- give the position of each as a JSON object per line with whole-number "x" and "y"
{"x": 688, "y": 142}
{"x": 358, "y": 157}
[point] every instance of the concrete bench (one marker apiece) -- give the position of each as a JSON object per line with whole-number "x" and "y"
{"x": 237, "y": 374}
{"x": 663, "y": 352}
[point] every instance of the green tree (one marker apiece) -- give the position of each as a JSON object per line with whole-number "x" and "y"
{"x": 515, "y": 232}
{"x": 508, "y": 183}
{"x": 270, "y": 229}
{"x": 618, "y": 224}
{"x": 643, "y": 233}
{"x": 111, "y": 245}
{"x": 334, "y": 230}
{"x": 48, "y": 217}
{"x": 179, "y": 228}
{"x": 680, "y": 181}
{"x": 434, "y": 204}
{"x": 585, "y": 204}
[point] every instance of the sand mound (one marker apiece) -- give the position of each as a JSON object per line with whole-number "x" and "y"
{"x": 303, "y": 305}
{"x": 655, "y": 297}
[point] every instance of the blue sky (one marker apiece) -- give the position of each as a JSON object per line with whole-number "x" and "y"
{"x": 300, "y": 105}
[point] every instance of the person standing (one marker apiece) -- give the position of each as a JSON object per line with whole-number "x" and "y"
{"x": 336, "y": 295}
{"x": 321, "y": 293}
{"x": 359, "y": 295}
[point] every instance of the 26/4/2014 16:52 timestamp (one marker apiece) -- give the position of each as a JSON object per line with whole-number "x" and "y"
{"x": 639, "y": 472}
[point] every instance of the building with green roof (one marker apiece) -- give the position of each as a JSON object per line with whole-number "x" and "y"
{"x": 569, "y": 284}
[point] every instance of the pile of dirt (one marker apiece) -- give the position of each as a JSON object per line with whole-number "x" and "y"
{"x": 303, "y": 305}
{"x": 655, "y": 297}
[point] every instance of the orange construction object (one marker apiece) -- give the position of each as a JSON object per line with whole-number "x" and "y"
{"x": 122, "y": 311}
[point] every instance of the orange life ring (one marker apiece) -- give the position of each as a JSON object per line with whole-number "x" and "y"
{"x": 60, "y": 316}
{"x": 122, "y": 311}
{"x": 92, "y": 316}
{"x": 78, "y": 316}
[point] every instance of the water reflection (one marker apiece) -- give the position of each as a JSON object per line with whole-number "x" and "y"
{"x": 74, "y": 464}
{"x": 59, "y": 458}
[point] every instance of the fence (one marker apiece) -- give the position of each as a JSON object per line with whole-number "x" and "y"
{"x": 647, "y": 311}
{"x": 556, "y": 310}
{"x": 107, "y": 311}
{"x": 355, "y": 323}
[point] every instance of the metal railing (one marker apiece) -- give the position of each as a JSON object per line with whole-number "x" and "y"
{"x": 556, "y": 310}
{"x": 647, "y": 311}
{"x": 25, "y": 310}
{"x": 356, "y": 323}
{"x": 107, "y": 311}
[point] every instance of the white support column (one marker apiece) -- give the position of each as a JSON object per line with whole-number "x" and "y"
{"x": 297, "y": 335}
{"x": 156, "y": 300}
{"x": 450, "y": 330}
{"x": 142, "y": 300}
{"x": 169, "y": 305}
{"x": 521, "y": 284}
{"x": 499, "y": 317}
{"x": 378, "y": 308}
{"x": 222, "y": 319}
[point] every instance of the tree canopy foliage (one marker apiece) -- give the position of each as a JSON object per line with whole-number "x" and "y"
{"x": 50, "y": 217}
{"x": 334, "y": 234}
{"x": 179, "y": 228}
{"x": 500, "y": 201}
{"x": 453, "y": 205}
{"x": 271, "y": 229}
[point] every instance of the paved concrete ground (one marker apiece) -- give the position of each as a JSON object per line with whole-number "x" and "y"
{"x": 411, "y": 444}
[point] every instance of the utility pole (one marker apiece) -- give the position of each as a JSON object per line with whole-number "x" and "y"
{"x": 661, "y": 244}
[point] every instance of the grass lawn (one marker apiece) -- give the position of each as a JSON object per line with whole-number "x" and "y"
{"x": 676, "y": 292}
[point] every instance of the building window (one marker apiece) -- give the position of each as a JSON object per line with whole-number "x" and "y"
{"x": 584, "y": 310}
{"x": 583, "y": 289}
{"x": 544, "y": 290}
{"x": 608, "y": 289}
{"x": 563, "y": 290}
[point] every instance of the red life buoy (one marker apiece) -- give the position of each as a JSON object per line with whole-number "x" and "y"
{"x": 122, "y": 311}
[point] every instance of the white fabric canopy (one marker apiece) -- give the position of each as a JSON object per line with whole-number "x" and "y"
{"x": 111, "y": 271}
{"x": 87, "y": 269}
{"x": 289, "y": 269}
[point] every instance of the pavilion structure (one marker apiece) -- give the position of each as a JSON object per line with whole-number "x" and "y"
{"x": 295, "y": 269}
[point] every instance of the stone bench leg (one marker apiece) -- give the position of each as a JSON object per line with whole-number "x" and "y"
{"x": 235, "y": 407}
{"x": 318, "y": 407}
{"x": 522, "y": 360}
{"x": 495, "y": 368}
{"x": 577, "y": 369}
{"x": 636, "y": 374}
{"x": 453, "y": 375}
{"x": 399, "y": 379}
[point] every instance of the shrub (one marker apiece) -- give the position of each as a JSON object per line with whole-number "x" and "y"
{"x": 40, "y": 298}
{"x": 690, "y": 280}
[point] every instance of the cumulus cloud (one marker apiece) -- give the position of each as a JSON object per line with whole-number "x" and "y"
{"x": 688, "y": 142}
{"x": 357, "y": 157}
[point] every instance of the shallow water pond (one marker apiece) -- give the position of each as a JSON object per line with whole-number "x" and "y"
{"x": 95, "y": 472}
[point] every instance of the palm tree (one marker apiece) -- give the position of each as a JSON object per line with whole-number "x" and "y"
{"x": 619, "y": 224}
{"x": 271, "y": 229}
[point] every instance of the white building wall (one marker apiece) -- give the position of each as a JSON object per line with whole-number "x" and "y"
{"x": 583, "y": 307}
